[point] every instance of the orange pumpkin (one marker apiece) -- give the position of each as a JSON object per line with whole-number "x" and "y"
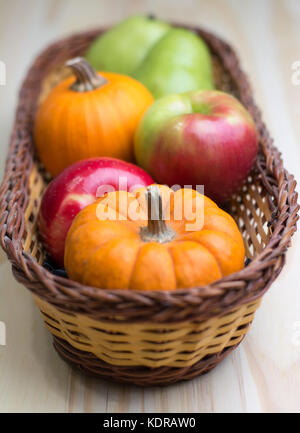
{"x": 94, "y": 116}
{"x": 188, "y": 241}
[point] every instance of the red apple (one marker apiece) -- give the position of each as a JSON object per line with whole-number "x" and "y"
{"x": 198, "y": 138}
{"x": 76, "y": 187}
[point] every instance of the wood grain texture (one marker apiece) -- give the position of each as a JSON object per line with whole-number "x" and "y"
{"x": 263, "y": 374}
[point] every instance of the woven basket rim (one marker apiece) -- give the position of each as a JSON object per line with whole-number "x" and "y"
{"x": 181, "y": 304}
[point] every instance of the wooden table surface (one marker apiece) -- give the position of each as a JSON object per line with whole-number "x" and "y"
{"x": 263, "y": 374}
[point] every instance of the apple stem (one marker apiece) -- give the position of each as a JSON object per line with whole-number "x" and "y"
{"x": 87, "y": 79}
{"x": 156, "y": 230}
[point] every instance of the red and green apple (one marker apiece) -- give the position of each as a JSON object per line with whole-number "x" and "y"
{"x": 198, "y": 138}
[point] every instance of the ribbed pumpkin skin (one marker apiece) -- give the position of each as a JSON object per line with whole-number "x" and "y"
{"x": 110, "y": 254}
{"x": 71, "y": 126}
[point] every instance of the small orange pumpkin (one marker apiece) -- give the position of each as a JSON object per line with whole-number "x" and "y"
{"x": 112, "y": 244}
{"x": 96, "y": 115}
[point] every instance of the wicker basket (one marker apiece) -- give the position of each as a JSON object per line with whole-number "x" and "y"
{"x": 156, "y": 337}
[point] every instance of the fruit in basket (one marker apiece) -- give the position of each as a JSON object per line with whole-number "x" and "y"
{"x": 152, "y": 239}
{"x": 164, "y": 58}
{"x": 94, "y": 115}
{"x": 198, "y": 138}
{"x": 76, "y": 187}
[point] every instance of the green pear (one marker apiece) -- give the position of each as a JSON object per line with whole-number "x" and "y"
{"x": 165, "y": 59}
{"x": 179, "y": 62}
{"x": 123, "y": 48}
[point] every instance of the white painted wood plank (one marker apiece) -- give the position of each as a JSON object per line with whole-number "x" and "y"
{"x": 33, "y": 377}
{"x": 263, "y": 373}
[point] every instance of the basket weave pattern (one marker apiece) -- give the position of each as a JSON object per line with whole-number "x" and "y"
{"x": 134, "y": 336}
{"x": 179, "y": 344}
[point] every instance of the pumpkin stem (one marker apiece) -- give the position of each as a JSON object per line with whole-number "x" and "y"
{"x": 87, "y": 78}
{"x": 157, "y": 230}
